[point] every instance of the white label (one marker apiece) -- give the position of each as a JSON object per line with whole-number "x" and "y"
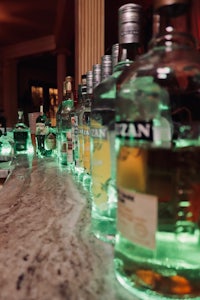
{"x": 162, "y": 130}
{"x": 41, "y": 129}
{"x": 137, "y": 217}
{"x": 99, "y": 133}
{"x": 141, "y": 130}
{"x": 69, "y": 147}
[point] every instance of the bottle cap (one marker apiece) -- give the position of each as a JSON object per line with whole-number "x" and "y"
{"x": 89, "y": 79}
{"x": 106, "y": 66}
{"x": 115, "y": 55}
{"x": 96, "y": 69}
{"x": 68, "y": 78}
{"x": 129, "y": 16}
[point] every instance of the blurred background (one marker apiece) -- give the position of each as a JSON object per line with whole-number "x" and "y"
{"x": 41, "y": 42}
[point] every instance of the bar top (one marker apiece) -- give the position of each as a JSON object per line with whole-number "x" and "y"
{"x": 47, "y": 250}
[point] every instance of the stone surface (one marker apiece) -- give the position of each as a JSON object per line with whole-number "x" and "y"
{"x": 47, "y": 250}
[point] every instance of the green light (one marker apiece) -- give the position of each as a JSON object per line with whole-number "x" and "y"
{"x": 6, "y": 149}
{"x": 30, "y": 149}
{"x": 184, "y": 203}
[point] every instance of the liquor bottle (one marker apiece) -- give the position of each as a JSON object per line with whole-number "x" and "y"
{"x": 6, "y": 140}
{"x": 41, "y": 132}
{"x": 75, "y": 134}
{"x": 79, "y": 113}
{"x": 20, "y": 134}
{"x": 157, "y": 249}
{"x": 86, "y": 130}
{"x": 104, "y": 200}
{"x": 64, "y": 119}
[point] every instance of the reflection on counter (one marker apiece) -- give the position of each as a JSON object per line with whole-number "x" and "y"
{"x": 47, "y": 248}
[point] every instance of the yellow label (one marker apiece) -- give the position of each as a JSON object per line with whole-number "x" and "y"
{"x": 127, "y": 175}
{"x": 101, "y": 164}
{"x": 137, "y": 208}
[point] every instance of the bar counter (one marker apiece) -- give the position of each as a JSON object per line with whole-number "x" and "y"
{"x": 47, "y": 250}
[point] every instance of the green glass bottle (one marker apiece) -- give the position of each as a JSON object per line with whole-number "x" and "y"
{"x": 103, "y": 165}
{"x": 86, "y": 130}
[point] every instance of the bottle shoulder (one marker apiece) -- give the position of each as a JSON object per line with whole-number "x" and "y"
{"x": 107, "y": 88}
{"x": 20, "y": 126}
{"x": 164, "y": 66}
{"x": 66, "y": 107}
{"x": 41, "y": 119}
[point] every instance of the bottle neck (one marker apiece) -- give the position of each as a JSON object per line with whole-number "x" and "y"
{"x": 41, "y": 110}
{"x": 76, "y": 102}
{"x": 70, "y": 103}
{"x": 129, "y": 32}
{"x": 89, "y": 86}
{"x": 129, "y": 51}
{"x": 20, "y": 117}
{"x": 68, "y": 91}
{"x": 83, "y": 92}
{"x": 68, "y": 95}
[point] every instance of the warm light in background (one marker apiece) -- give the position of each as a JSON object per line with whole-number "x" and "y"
{"x": 37, "y": 95}
{"x": 53, "y": 94}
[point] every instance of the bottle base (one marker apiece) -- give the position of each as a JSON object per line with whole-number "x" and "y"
{"x": 145, "y": 293}
{"x": 104, "y": 228}
{"x": 86, "y": 181}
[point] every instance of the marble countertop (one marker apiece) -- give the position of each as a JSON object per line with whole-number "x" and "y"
{"x": 47, "y": 250}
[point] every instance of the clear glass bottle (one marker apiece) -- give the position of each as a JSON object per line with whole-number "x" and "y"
{"x": 157, "y": 249}
{"x": 20, "y": 134}
{"x": 79, "y": 112}
{"x": 103, "y": 165}
{"x": 64, "y": 125}
{"x": 75, "y": 134}
{"x": 86, "y": 130}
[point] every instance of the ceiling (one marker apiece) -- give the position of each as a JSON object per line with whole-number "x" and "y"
{"x": 28, "y": 20}
{"x": 25, "y": 20}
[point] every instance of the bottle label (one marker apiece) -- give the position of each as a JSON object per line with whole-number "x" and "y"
{"x": 69, "y": 147}
{"x": 156, "y": 131}
{"x": 80, "y": 130}
{"x": 99, "y": 133}
{"x": 138, "y": 130}
{"x": 86, "y": 154}
{"x": 137, "y": 217}
{"x": 80, "y": 145}
{"x": 50, "y": 141}
{"x": 129, "y": 33}
{"x": 62, "y": 147}
{"x": 41, "y": 129}
{"x": 74, "y": 121}
{"x": 100, "y": 164}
